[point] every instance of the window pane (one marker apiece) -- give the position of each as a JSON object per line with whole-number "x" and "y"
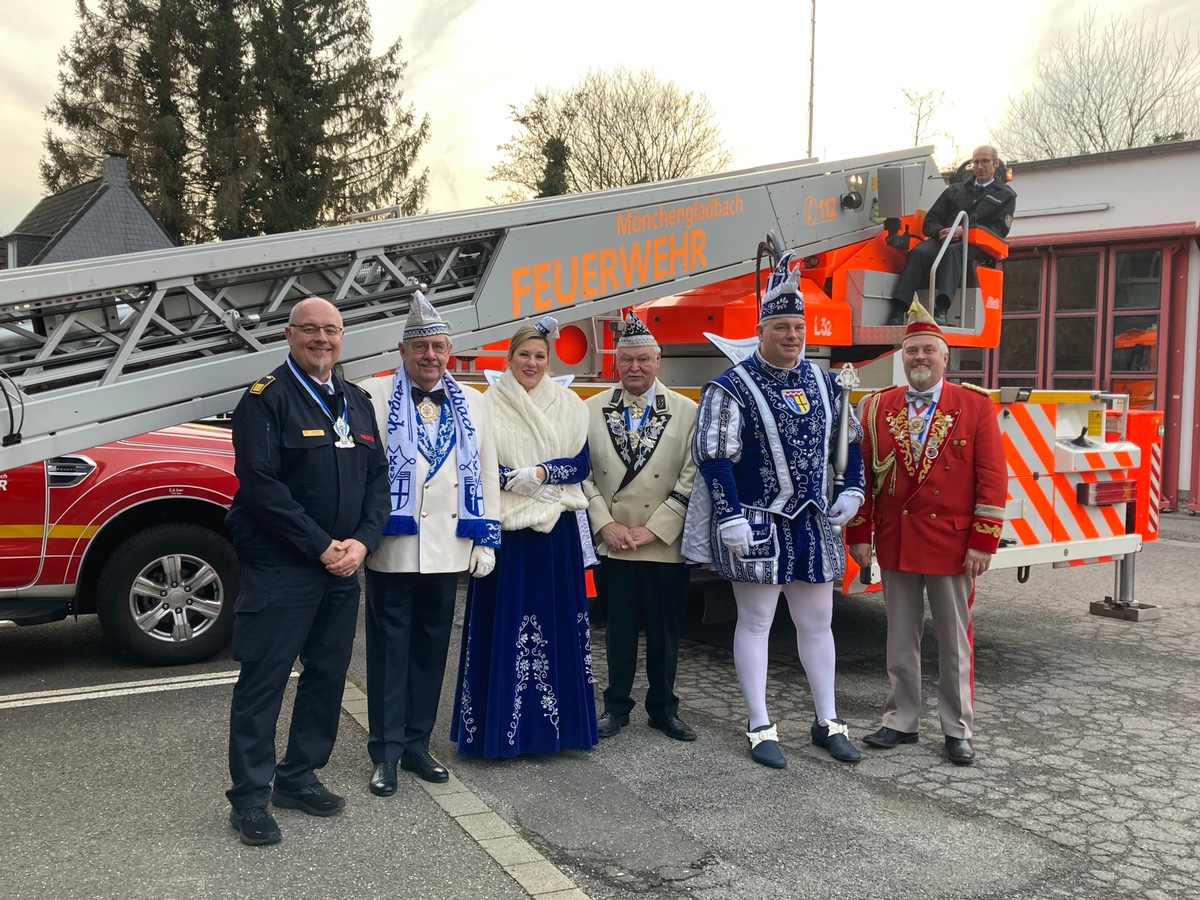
{"x": 1019, "y": 345}
{"x": 1075, "y": 344}
{"x": 1140, "y": 391}
{"x": 1076, "y": 286}
{"x": 1135, "y": 344}
{"x": 966, "y": 359}
{"x": 1014, "y": 381}
{"x": 1022, "y": 284}
{"x": 1139, "y": 279}
{"x": 1074, "y": 384}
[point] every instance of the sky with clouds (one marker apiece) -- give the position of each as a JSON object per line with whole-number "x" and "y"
{"x": 470, "y": 60}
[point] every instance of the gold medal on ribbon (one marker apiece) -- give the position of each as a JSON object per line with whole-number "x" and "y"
{"x": 916, "y": 425}
{"x": 428, "y": 411}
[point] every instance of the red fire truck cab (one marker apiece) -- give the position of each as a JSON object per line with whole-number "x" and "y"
{"x": 133, "y": 531}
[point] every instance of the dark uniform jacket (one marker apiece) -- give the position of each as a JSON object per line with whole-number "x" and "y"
{"x": 297, "y": 492}
{"x": 992, "y": 209}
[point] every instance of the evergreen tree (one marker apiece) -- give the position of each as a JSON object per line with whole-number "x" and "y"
{"x": 554, "y": 180}
{"x": 238, "y": 116}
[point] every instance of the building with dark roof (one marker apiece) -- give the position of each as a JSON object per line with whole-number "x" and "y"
{"x": 98, "y": 218}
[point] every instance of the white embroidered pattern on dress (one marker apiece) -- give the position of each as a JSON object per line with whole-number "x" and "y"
{"x": 532, "y": 662}
{"x": 466, "y": 711}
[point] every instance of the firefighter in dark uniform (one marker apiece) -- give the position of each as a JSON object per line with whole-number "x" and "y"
{"x": 989, "y": 203}
{"x": 312, "y": 502}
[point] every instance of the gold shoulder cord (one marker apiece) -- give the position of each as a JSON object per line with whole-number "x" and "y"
{"x": 880, "y": 468}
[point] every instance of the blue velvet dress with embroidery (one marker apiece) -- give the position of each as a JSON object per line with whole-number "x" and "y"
{"x": 525, "y": 664}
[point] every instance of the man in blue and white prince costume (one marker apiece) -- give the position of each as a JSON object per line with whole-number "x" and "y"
{"x": 760, "y": 512}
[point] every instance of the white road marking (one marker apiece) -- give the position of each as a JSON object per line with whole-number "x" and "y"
{"x": 123, "y": 689}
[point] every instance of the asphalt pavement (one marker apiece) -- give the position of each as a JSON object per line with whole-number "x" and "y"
{"x": 1087, "y": 784}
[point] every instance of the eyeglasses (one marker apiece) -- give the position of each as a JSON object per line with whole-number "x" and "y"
{"x": 980, "y": 162}
{"x": 441, "y": 348}
{"x": 309, "y": 329}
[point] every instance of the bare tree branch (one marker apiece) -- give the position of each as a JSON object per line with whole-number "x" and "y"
{"x": 1129, "y": 84}
{"x": 620, "y": 128}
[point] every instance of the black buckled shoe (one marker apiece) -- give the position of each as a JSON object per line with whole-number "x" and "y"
{"x": 383, "y": 779}
{"x": 609, "y": 725}
{"x": 764, "y": 747}
{"x": 960, "y": 751}
{"x": 835, "y": 737}
{"x": 255, "y": 826}
{"x": 941, "y": 311}
{"x": 674, "y": 728}
{"x": 887, "y": 738}
{"x": 314, "y": 799}
{"x": 424, "y": 767}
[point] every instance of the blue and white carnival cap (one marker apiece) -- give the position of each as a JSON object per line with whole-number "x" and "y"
{"x": 635, "y": 333}
{"x": 782, "y": 297}
{"x": 423, "y": 320}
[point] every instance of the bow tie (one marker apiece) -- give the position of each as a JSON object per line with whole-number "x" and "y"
{"x": 437, "y": 397}
{"x": 921, "y": 398}
{"x": 636, "y": 405}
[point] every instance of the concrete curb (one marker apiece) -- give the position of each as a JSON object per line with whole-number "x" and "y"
{"x": 517, "y": 857}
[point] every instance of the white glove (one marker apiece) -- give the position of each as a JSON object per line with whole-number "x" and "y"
{"x": 843, "y": 509}
{"x": 483, "y": 560}
{"x": 735, "y": 535}
{"x": 524, "y": 481}
{"x": 546, "y": 493}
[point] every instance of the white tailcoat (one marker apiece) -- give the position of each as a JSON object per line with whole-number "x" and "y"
{"x": 436, "y": 547}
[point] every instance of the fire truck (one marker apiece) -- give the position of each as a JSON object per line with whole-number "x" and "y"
{"x": 103, "y": 350}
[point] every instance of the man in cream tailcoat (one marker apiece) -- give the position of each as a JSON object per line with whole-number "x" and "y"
{"x": 445, "y": 498}
{"x": 640, "y": 436}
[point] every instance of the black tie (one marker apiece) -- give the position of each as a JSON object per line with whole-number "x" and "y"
{"x": 438, "y": 397}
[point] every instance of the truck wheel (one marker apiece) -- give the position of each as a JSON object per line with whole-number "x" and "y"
{"x": 166, "y": 595}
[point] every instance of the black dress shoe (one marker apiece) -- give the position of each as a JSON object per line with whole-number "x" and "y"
{"x": 314, "y": 799}
{"x": 898, "y": 314}
{"x": 835, "y": 737}
{"x": 764, "y": 747}
{"x": 609, "y": 725}
{"x": 674, "y": 727}
{"x": 424, "y": 767}
{"x": 887, "y": 738}
{"x": 383, "y": 779}
{"x": 960, "y": 751}
{"x": 255, "y": 826}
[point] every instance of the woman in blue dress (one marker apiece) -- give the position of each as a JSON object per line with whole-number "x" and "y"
{"x": 525, "y": 666}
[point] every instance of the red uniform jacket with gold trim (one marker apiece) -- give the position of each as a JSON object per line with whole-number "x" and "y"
{"x": 926, "y": 507}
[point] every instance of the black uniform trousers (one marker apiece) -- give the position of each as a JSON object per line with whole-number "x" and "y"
{"x": 949, "y": 274}
{"x": 284, "y": 613}
{"x": 656, "y": 594}
{"x": 409, "y": 617}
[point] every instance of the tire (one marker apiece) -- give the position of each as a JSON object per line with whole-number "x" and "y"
{"x": 157, "y": 619}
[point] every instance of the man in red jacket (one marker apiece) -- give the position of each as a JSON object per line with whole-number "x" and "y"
{"x": 936, "y": 486}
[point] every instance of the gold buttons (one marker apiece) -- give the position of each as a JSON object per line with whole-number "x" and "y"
{"x": 933, "y": 515}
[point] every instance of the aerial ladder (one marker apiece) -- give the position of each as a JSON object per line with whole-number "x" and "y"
{"x": 101, "y": 349}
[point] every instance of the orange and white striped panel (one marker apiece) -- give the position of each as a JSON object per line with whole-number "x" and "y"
{"x": 1074, "y": 522}
{"x": 1071, "y": 563}
{"x": 1074, "y": 459}
{"x": 1027, "y": 430}
{"x": 1155, "y": 487}
{"x": 1029, "y": 512}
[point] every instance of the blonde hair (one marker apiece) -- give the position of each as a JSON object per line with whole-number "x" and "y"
{"x": 521, "y": 335}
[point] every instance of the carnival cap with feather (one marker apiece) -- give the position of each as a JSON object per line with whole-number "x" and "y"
{"x": 921, "y": 322}
{"x": 635, "y": 333}
{"x": 783, "y": 297}
{"x": 423, "y": 320}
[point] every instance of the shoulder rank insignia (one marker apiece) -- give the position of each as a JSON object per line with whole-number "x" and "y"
{"x": 976, "y": 388}
{"x": 261, "y": 385}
